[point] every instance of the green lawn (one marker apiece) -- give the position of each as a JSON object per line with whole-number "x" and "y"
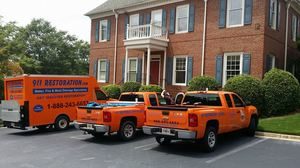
{"x": 285, "y": 125}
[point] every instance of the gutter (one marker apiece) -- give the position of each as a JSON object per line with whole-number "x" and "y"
{"x": 116, "y": 45}
{"x": 204, "y": 38}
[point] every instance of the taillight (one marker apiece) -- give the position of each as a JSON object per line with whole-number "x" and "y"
{"x": 106, "y": 116}
{"x": 193, "y": 120}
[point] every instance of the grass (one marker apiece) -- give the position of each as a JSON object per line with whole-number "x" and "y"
{"x": 289, "y": 124}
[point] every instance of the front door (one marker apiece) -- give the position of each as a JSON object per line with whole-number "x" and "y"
{"x": 154, "y": 71}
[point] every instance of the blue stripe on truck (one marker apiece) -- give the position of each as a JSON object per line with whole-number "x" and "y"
{"x": 59, "y": 90}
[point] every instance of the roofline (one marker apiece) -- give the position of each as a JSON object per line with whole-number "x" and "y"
{"x": 38, "y": 75}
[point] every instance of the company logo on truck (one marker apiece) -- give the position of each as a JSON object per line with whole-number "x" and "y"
{"x": 38, "y": 108}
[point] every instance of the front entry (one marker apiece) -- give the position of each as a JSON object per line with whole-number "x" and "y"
{"x": 154, "y": 71}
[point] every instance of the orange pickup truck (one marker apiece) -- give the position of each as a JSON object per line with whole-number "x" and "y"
{"x": 201, "y": 117}
{"x": 123, "y": 116}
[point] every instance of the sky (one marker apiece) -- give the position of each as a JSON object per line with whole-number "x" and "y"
{"x": 65, "y": 15}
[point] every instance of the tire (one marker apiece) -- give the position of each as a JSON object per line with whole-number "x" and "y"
{"x": 62, "y": 123}
{"x": 163, "y": 141}
{"x": 252, "y": 127}
{"x": 210, "y": 140}
{"x": 98, "y": 134}
{"x": 127, "y": 130}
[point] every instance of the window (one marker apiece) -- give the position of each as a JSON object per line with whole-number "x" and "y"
{"x": 202, "y": 99}
{"x": 103, "y": 30}
{"x": 232, "y": 65}
{"x": 294, "y": 28}
{"x": 235, "y": 13}
{"x": 152, "y": 99}
{"x": 237, "y": 101}
{"x": 132, "y": 98}
{"x": 132, "y": 70}
{"x": 100, "y": 95}
{"x": 271, "y": 62}
{"x": 161, "y": 100}
{"x": 180, "y": 70}
{"x": 134, "y": 20}
{"x": 182, "y": 19}
{"x": 228, "y": 100}
{"x": 157, "y": 21}
{"x": 102, "y": 71}
{"x": 274, "y": 11}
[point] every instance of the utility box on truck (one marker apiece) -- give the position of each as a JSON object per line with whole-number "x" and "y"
{"x": 43, "y": 100}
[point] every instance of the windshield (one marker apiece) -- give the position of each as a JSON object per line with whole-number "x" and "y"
{"x": 202, "y": 99}
{"x": 132, "y": 98}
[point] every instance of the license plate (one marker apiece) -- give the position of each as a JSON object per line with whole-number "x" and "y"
{"x": 166, "y": 131}
{"x": 89, "y": 126}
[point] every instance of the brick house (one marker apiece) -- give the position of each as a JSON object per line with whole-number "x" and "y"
{"x": 167, "y": 42}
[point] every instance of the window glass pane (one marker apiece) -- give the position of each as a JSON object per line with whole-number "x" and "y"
{"x": 202, "y": 99}
{"x": 102, "y": 76}
{"x": 228, "y": 100}
{"x": 180, "y": 77}
{"x": 235, "y": 4}
{"x": 182, "y": 18}
{"x": 157, "y": 18}
{"x": 182, "y": 12}
{"x": 235, "y": 17}
{"x": 182, "y": 24}
{"x": 102, "y": 65}
{"x": 152, "y": 99}
{"x": 132, "y": 98}
{"x": 233, "y": 66}
{"x": 132, "y": 76}
{"x": 132, "y": 65}
{"x": 237, "y": 101}
{"x": 180, "y": 63}
{"x": 134, "y": 20}
{"x": 100, "y": 95}
{"x": 103, "y": 29}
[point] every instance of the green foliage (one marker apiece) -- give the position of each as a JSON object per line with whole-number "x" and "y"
{"x": 151, "y": 88}
{"x": 249, "y": 88}
{"x": 281, "y": 92}
{"x": 202, "y": 82}
{"x": 130, "y": 87}
{"x": 113, "y": 91}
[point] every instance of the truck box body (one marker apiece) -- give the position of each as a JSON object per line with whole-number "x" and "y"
{"x": 36, "y": 100}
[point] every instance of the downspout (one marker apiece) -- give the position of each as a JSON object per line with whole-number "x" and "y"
{"x": 116, "y": 45}
{"x": 286, "y": 35}
{"x": 204, "y": 38}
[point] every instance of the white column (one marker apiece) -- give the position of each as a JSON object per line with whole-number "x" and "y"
{"x": 148, "y": 66}
{"x": 164, "y": 70}
{"x": 126, "y": 66}
{"x": 143, "y": 69}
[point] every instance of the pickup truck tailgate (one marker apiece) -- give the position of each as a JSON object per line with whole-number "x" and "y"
{"x": 169, "y": 117}
{"x": 91, "y": 115}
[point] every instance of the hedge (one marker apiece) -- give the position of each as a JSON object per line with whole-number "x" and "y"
{"x": 151, "y": 88}
{"x": 113, "y": 91}
{"x": 202, "y": 82}
{"x": 249, "y": 88}
{"x": 282, "y": 92}
{"x": 130, "y": 87}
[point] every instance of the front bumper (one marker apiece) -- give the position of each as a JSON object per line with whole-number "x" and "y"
{"x": 91, "y": 127}
{"x": 175, "y": 133}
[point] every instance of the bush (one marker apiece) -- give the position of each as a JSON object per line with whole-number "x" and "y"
{"x": 151, "y": 88}
{"x": 249, "y": 88}
{"x": 113, "y": 91}
{"x": 202, "y": 82}
{"x": 281, "y": 92}
{"x": 130, "y": 87}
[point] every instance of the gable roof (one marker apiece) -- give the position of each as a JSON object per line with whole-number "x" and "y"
{"x": 109, "y": 5}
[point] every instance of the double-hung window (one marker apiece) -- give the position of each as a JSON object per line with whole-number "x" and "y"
{"x": 182, "y": 19}
{"x": 132, "y": 70}
{"x": 274, "y": 12}
{"x": 102, "y": 71}
{"x": 235, "y": 13}
{"x": 294, "y": 28}
{"x": 180, "y": 70}
{"x": 134, "y": 20}
{"x": 103, "y": 30}
{"x": 157, "y": 22}
{"x": 232, "y": 65}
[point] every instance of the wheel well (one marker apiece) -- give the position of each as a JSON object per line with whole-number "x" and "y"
{"x": 133, "y": 119}
{"x": 213, "y": 123}
{"x": 62, "y": 115}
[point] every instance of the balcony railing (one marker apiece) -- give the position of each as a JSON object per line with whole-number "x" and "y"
{"x": 145, "y": 31}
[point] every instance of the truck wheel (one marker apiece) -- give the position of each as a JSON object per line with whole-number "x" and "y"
{"x": 210, "y": 139}
{"x": 62, "y": 123}
{"x": 163, "y": 141}
{"x": 252, "y": 127}
{"x": 127, "y": 130}
{"x": 98, "y": 134}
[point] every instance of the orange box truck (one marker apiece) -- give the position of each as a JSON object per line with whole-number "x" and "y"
{"x": 39, "y": 101}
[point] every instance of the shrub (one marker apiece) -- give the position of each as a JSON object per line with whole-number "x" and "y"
{"x": 151, "y": 88}
{"x": 130, "y": 87}
{"x": 249, "y": 88}
{"x": 203, "y": 82}
{"x": 113, "y": 91}
{"x": 281, "y": 92}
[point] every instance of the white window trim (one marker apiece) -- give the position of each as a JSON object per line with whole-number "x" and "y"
{"x": 188, "y": 13}
{"x": 98, "y": 74}
{"x": 294, "y": 27}
{"x": 128, "y": 68}
{"x": 134, "y": 15}
{"x": 174, "y": 70}
{"x": 243, "y": 16}
{"x": 224, "y": 80}
{"x": 100, "y": 30}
